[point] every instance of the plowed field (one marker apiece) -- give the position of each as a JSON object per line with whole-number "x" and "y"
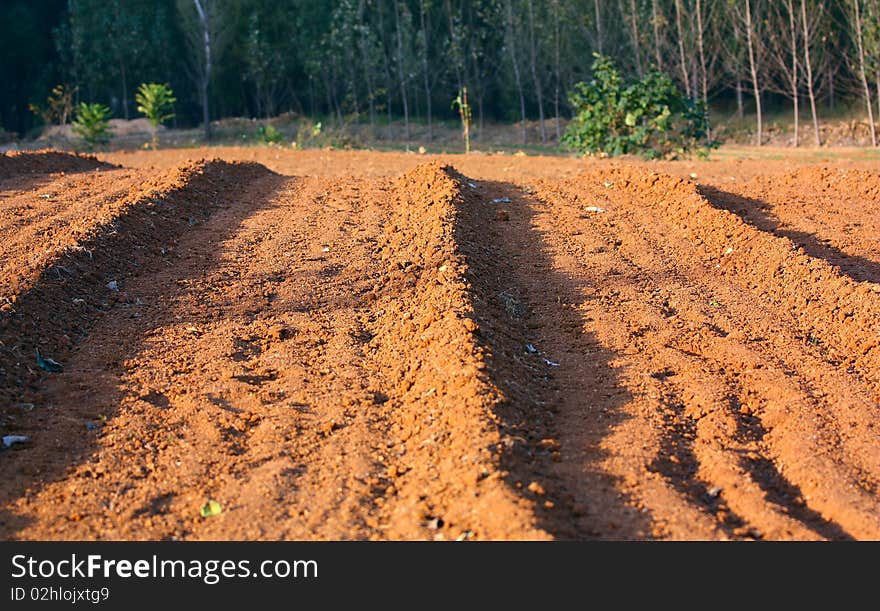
{"x": 358, "y": 345}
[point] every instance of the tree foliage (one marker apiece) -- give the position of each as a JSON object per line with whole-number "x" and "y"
{"x": 647, "y": 116}
{"x": 374, "y": 60}
{"x": 155, "y": 101}
{"x": 92, "y": 124}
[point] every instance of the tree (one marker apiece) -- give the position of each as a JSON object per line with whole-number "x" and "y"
{"x": 511, "y": 44}
{"x": 808, "y": 19}
{"x": 747, "y": 16}
{"x": 460, "y": 103}
{"x": 858, "y": 28}
{"x": 402, "y": 57}
{"x": 267, "y": 54}
{"x": 634, "y": 33}
{"x": 872, "y": 43}
{"x": 206, "y": 24}
{"x": 784, "y": 48}
{"x": 658, "y": 20}
{"x": 92, "y": 124}
{"x": 424, "y": 43}
{"x": 155, "y": 102}
{"x": 682, "y": 41}
{"x": 533, "y": 65}
{"x": 649, "y": 116}
{"x": 59, "y": 106}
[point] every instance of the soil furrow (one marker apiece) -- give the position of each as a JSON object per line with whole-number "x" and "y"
{"x": 835, "y": 220}
{"x": 56, "y": 296}
{"x": 307, "y": 361}
{"x": 349, "y": 352}
{"x": 838, "y": 494}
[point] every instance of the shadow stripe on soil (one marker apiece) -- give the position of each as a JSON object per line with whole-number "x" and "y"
{"x": 696, "y": 230}
{"x": 777, "y": 488}
{"x": 757, "y": 214}
{"x": 62, "y": 304}
{"x": 518, "y": 300}
{"x": 126, "y": 245}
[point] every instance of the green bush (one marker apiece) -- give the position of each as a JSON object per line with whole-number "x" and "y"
{"x": 92, "y": 124}
{"x": 648, "y": 116}
{"x": 268, "y": 134}
{"x": 155, "y": 101}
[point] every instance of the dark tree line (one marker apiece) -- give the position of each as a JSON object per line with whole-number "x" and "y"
{"x": 372, "y": 60}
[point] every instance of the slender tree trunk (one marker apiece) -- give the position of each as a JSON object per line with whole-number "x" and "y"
{"x": 207, "y": 66}
{"x": 795, "y": 70}
{"x": 511, "y": 45}
{"x": 753, "y": 68}
{"x": 599, "y": 41}
{"x": 558, "y": 66}
{"x": 737, "y": 41}
{"x": 739, "y": 97}
{"x": 426, "y": 67}
{"x": 206, "y": 115}
{"x": 857, "y": 14}
{"x": 808, "y": 66}
{"x": 371, "y": 95}
{"x": 634, "y": 32}
{"x": 533, "y": 63}
{"x": 878, "y": 93}
{"x": 401, "y": 72}
{"x": 458, "y": 62}
{"x": 388, "y": 101}
{"x": 124, "y": 91}
{"x": 704, "y": 77}
{"x": 832, "y": 98}
{"x": 389, "y": 78}
{"x": 684, "y": 72}
{"x": 655, "y": 20}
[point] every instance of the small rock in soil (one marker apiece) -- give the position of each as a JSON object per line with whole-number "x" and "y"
{"x": 47, "y": 364}
{"x": 11, "y": 440}
{"x": 434, "y": 523}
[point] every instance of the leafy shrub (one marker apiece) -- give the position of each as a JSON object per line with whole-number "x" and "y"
{"x": 92, "y": 124}
{"x": 268, "y": 134}
{"x": 155, "y": 101}
{"x": 648, "y": 116}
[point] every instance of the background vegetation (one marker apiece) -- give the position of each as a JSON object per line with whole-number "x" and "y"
{"x": 375, "y": 60}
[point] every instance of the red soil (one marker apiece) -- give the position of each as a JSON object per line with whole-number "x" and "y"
{"x": 374, "y": 346}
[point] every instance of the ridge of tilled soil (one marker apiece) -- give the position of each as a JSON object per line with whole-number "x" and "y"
{"x": 428, "y": 356}
{"x": 755, "y": 364}
{"x": 54, "y": 292}
{"x": 19, "y": 163}
{"x": 830, "y": 212}
{"x": 313, "y": 367}
{"x": 442, "y": 400}
{"x": 841, "y": 313}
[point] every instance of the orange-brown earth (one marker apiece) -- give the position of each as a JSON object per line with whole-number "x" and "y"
{"x": 358, "y": 345}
